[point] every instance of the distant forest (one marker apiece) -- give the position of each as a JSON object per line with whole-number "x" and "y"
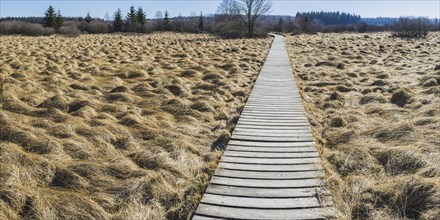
{"x": 330, "y": 18}
{"x": 380, "y": 21}
{"x": 38, "y": 20}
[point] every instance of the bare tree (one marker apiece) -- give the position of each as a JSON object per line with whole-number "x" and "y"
{"x": 411, "y": 27}
{"x": 159, "y": 15}
{"x": 251, "y": 11}
{"x": 228, "y": 7}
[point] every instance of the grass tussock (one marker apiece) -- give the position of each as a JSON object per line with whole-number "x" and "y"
{"x": 375, "y": 119}
{"x": 116, "y": 127}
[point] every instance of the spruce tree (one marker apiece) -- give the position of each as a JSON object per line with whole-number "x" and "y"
{"x": 141, "y": 16}
{"x": 131, "y": 16}
{"x": 88, "y": 18}
{"x": 167, "y": 21}
{"x": 59, "y": 20}
{"x": 117, "y": 22}
{"x": 49, "y": 19}
{"x": 201, "y": 25}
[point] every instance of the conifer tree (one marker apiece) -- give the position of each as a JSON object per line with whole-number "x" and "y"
{"x": 131, "y": 16}
{"x": 117, "y": 22}
{"x": 167, "y": 21}
{"x": 141, "y": 16}
{"x": 49, "y": 19}
{"x": 88, "y": 18}
{"x": 201, "y": 25}
{"x": 59, "y": 20}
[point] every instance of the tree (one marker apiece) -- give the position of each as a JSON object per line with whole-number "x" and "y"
{"x": 141, "y": 16}
{"x": 362, "y": 27}
{"x": 117, "y": 22}
{"x": 88, "y": 18}
{"x": 167, "y": 21}
{"x": 410, "y": 27}
{"x": 131, "y": 16}
{"x": 59, "y": 20}
{"x": 251, "y": 11}
{"x": 228, "y": 7}
{"x": 158, "y": 15}
{"x": 158, "y": 22}
{"x": 201, "y": 25}
{"x": 106, "y": 17}
{"x": 49, "y": 19}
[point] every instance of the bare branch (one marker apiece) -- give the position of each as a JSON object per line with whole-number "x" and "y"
{"x": 251, "y": 11}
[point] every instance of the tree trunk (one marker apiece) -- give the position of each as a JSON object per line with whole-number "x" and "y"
{"x": 250, "y": 30}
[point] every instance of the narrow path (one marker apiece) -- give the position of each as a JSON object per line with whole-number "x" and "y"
{"x": 271, "y": 168}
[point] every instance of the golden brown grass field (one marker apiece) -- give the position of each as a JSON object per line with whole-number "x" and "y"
{"x": 117, "y": 127}
{"x": 374, "y": 105}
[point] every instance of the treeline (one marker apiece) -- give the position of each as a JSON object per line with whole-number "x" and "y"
{"x": 330, "y": 18}
{"x": 419, "y": 26}
{"x": 380, "y": 21}
{"x": 134, "y": 21}
{"x": 228, "y": 22}
{"x": 37, "y": 20}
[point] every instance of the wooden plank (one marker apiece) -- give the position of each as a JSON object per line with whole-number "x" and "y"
{"x": 275, "y": 104}
{"x": 271, "y": 128}
{"x": 231, "y": 153}
{"x": 273, "y": 95}
{"x": 263, "y": 203}
{"x": 292, "y": 124}
{"x": 271, "y": 149}
{"x": 273, "y": 139}
{"x": 301, "y": 183}
{"x": 269, "y": 160}
{"x": 200, "y": 217}
{"x": 274, "y": 130}
{"x": 266, "y": 107}
{"x": 285, "y": 101}
{"x": 288, "y": 107}
{"x": 273, "y": 111}
{"x": 277, "y": 133}
{"x": 268, "y": 128}
{"x": 291, "y": 103}
{"x": 266, "y": 167}
{"x": 280, "y": 104}
{"x": 274, "y": 120}
{"x": 246, "y": 114}
{"x": 264, "y": 192}
{"x": 268, "y": 175}
{"x": 271, "y": 144}
{"x": 246, "y": 213}
{"x": 273, "y": 116}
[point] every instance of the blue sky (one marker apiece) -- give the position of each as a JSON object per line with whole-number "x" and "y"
{"x": 98, "y": 8}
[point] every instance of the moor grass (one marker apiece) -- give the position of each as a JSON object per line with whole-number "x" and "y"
{"x": 114, "y": 126}
{"x": 374, "y": 105}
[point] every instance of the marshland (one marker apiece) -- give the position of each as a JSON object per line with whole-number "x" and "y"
{"x": 127, "y": 118}
{"x": 120, "y": 127}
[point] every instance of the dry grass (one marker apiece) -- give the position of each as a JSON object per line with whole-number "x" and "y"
{"x": 116, "y": 127}
{"x": 374, "y": 105}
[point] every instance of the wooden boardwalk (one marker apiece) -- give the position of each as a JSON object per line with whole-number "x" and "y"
{"x": 271, "y": 168}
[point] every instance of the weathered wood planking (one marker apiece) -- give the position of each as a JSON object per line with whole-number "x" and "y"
{"x": 271, "y": 168}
